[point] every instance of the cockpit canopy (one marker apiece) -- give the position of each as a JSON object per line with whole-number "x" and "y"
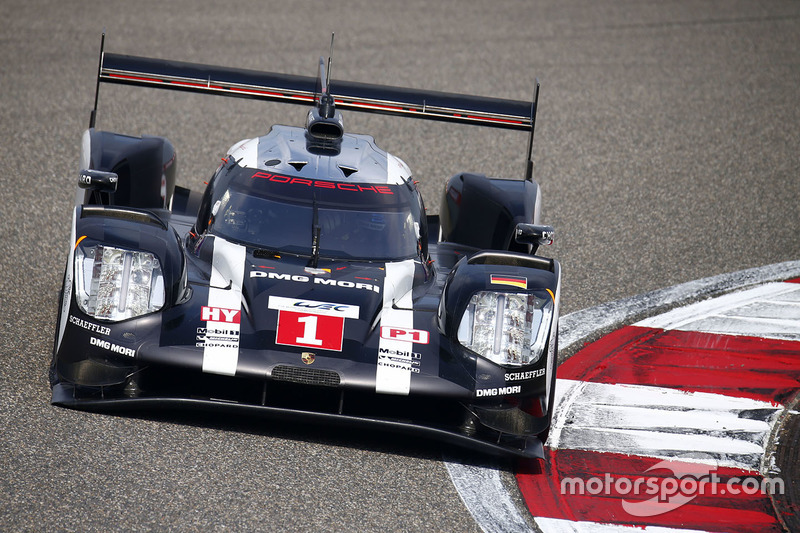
{"x": 276, "y": 212}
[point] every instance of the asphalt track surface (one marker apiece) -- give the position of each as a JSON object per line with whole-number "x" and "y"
{"x": 667, "y": 146}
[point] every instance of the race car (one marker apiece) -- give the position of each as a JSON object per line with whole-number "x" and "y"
{"x": 307, "y": 282}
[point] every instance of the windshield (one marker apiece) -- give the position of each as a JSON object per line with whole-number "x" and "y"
{"x": 360, "y": 230}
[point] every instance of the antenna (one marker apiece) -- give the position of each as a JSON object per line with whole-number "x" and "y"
{"x": 327, "y": 105}
{"x": 330, "y": 58}
{"x": 534, "y": 109}
{"x": 93, "y": 116}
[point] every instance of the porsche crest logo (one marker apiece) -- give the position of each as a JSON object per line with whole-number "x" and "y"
{"x": 307, "y": 357}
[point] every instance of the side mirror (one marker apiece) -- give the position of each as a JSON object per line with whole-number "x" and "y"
{"x": 98, "y": 180}
{"x": 534, "y": 234}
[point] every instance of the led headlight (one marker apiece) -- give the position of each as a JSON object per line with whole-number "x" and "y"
{"x": 506, "y": 328}
{"x": 115, "y": 284}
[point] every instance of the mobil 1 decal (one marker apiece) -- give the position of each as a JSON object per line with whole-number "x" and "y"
{"x": 311, "y": 324}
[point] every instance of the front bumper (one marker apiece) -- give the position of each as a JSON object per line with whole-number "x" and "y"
{"x": 442, "y": 420}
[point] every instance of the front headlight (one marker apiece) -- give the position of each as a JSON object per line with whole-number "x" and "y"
{"x": 115, "y": 284}
{"x": 506, "y": 328}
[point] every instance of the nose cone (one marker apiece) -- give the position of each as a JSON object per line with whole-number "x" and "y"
{"x": 333, "y": 308}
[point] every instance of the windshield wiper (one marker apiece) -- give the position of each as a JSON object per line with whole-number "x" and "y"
{"x": 315, "y": 232}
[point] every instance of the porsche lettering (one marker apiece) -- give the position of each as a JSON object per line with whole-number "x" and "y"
{"x": 322, "y": 184}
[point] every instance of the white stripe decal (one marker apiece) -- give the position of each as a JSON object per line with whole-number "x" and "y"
{"x": 395, "y": 357}
{"x": 225, "y": 295}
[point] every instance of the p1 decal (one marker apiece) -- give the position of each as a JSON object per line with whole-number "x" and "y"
{"x": 417, "y": 336}
{"x": 311, "y": 324}
{"x": 514, "y": 281}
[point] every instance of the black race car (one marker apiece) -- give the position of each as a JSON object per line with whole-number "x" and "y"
{"x": 307, "y": 281}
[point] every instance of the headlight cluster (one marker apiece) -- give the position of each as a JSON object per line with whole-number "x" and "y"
{"x": 116, "y": 284}
{"x": 506, "y": 328}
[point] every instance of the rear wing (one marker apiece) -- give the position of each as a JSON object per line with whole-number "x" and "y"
{"x": 241, "y": 83}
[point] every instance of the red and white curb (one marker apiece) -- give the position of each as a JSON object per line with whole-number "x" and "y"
{"x": 700, "y": 386}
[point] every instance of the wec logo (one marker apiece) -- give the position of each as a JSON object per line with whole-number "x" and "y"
{"x": 322, "y": 306}
{"x": 313, "y": 307}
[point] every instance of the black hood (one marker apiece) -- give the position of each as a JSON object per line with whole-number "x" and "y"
{"x": 354, "y": 291}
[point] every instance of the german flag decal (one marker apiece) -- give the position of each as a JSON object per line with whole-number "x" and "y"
{"x": 514, "y": 281}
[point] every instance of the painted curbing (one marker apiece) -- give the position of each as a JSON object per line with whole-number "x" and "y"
{"x": 481, "y": 487}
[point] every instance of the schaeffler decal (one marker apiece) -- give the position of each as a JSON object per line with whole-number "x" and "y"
{"x": 311, "y": 324}
{"x": 89, "y": 326}
{"x": 416, "y": 336}
{"x": 299, "y": 278}
{"x": 522, "y": 376}
{"x": 513, "y": 281}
